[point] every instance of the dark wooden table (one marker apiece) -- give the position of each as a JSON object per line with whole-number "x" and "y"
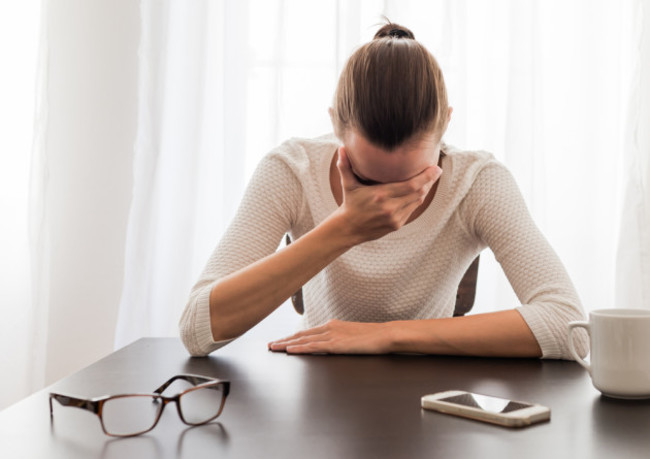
{"x": 331, "y": 407}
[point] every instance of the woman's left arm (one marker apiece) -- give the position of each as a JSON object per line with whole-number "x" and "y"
{"x": 495, "y": 212}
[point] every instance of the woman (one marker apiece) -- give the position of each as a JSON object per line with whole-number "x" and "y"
{"x": 385, "y": 220}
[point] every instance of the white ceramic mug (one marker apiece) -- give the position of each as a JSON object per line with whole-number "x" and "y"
{"x": 620, "y": 351}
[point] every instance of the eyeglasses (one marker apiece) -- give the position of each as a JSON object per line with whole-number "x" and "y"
{"x": 128, "y": 415}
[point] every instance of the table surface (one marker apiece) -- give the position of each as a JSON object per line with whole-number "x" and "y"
{"x": 331, "y": 407}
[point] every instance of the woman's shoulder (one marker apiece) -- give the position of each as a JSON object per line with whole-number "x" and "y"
{"x": 468, "y": 159}
{"x": 476, "y": 177}
{"x": 468, "y": 166}
{"x": 481, "y": 179}
{"x": 301, "y": 154}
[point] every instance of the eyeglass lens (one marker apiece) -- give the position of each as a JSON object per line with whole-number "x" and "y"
{"x": 130, "y": 414}
{"x": 202, "y": 404}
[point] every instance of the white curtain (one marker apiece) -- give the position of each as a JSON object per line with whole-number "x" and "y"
{"x": 67, "y": 125}
{"x": 22, "y": 356}
{"x": 545, "y": 86}
{"x": 188, "y": 165}
{"x": 633, "y": 262}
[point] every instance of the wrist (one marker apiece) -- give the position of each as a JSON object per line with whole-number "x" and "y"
{"x": 340, "y": 232}
{"x": 394, "y": 336}
{"x": 409, "y": 336}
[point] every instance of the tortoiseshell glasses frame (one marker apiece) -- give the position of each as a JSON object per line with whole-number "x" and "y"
{"x": 204, "y": 403}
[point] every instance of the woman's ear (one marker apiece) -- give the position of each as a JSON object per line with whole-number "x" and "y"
{"x": 451, "y": 109}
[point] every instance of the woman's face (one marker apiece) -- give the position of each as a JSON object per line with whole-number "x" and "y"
{"x": 373, "y": 165}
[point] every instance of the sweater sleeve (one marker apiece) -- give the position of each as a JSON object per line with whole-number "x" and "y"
{"x": 267, "y": 211}
{"x": 500, "y": 218}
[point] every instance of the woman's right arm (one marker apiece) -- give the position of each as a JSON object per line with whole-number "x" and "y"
{"x": 268, "y": 209}
{"x": 242, "y": 298}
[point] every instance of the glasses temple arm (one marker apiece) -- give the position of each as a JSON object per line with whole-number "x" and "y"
{"x": 195, "y": 380}
{"x": 66, "y": 400}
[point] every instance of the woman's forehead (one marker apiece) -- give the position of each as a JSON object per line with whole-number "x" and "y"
{"x": 374, "y": 164}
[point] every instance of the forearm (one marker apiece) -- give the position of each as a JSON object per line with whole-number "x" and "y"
{"x": 242, "y": 299}
{"x": 497, "y": 334}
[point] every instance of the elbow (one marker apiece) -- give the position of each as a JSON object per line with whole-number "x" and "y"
{"x": 194, "y": 351}
{"x": 549, "y": 322}
{"x": 191, "y": 345}
{"x": 194, "y": 324}
{"x": 188, "y": 334}
{"x": 195, "y": 328}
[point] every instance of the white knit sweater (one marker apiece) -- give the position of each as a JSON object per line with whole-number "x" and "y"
{"x": 412, "y": 273}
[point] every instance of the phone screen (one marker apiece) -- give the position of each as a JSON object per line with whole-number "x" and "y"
{"x": 486, "y": 403}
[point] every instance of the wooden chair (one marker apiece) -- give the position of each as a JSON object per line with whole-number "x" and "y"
{"x": 464, "y": 296}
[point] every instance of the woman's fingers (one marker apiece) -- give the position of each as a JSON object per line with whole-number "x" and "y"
{"x": 395, "y": 189}
{"x": 338, "y": 337}
{"x": 426, "y": 178}
{"x": 287, "y": 343}
{"x": 310, "y": 340}
{"x": 403, "y": 198}
{"x": 316, "y": 333}
{"x": 348, "y": 180}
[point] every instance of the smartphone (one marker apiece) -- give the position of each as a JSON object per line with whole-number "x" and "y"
{"x": 485, "y": 408}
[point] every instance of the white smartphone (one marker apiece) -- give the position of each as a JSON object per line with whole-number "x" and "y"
{"x": 485, "y": 408}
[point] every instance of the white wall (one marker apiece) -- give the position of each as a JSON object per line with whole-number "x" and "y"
{"x": 91, "y": 97}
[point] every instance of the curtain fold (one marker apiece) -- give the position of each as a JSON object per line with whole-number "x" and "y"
{"x": 167, "y": 166}
{"x": 633, "y": 258}
{"x": 23, "y": 49}
{"x": 38, "y": 233}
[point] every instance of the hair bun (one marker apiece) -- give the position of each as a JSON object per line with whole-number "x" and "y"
{"x": 394, "y": 31}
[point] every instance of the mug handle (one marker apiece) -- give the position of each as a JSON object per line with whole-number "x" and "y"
{"x": 573, "y": 326}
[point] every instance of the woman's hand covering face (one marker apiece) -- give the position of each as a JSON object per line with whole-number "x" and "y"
{"x": 373, "y": 211}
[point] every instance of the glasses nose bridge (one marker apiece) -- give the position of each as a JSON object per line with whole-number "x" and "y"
{"x": 176, "y": 400}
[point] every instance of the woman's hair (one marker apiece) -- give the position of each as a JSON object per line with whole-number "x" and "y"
{"x": 391, "y": 90}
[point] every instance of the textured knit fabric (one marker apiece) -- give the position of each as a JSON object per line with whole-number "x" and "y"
{"x": 412, "y": 273}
